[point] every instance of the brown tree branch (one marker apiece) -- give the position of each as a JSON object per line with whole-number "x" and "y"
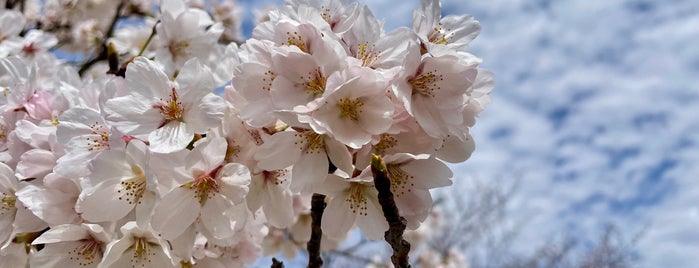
{"x": 313, "y": 246}
{"x": 276, "y": 263}
{"x": 396, "y": 223}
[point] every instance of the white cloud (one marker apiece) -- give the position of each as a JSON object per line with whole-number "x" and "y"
{"x": 595, "y": 112}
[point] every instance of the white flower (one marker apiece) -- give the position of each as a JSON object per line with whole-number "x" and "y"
{"x": 412, "y": 176}
{"x": 71, "y": 245}
{"x": 119, "y": 182}
{"x": 138, "y": 247}
{"x": 353, "y": 201}
{"x": 434, "y": 91}
{"x": 86, "y": 134}
{"x": 168, "y": 113}
{"x": 270, "y": 190}
{"x": 308, "y": 152}
{"x": 439, "y": 34}
{"x": 209, "y": 194}
{"x": 354, "y": 108}
{"x": 185, "y": 34}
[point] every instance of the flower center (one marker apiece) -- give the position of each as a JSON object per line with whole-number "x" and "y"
{"x": 315, "y": 83}
{"x": 295, "y": 39}
{"x": 400, "y": 181}
{"x": 134, "y": 187}
{"x": 356, "y": 199}
{"x": 385, "y": 143}
{"x": 438, "y": 35}
{"x": 205, "y": 185}
{"x": 8, "y": 203}
{"x": 267, "y": 80}
{"x": 426, "y": 83}
{"x": 367, "y": 54}
{"x": 142, "y": 251}
{"x": 350, "y": 108}
{"x": 87, "y": 252}
{"x": 171, "y": 109}
{"x": 100, "y": 141}
{"x": 310, "y": 142}
{"x": 178, "y": 49}
{"x": 274, "y": 176}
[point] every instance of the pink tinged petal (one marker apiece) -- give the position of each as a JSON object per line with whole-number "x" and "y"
{"x": 428, "y": 173}
{"x": 7, "y": 178}
{"x": 286, "y": 94}
{"x": 172, "y": 137}
{"x": 279, "y": 210}
{"x": 35, "y": 163}
{"x": 454, "y": 150}
{"x": 279, "y": 151}
{"x": 428, "y": 117}
{"x": 115, "y": 250}
{"x": 337, "y": 219}
{"x": 376, "y": 115}
{"x": 62, "y": 255}
{"x": 309, "y": 172}
{"x": 175, "y": 212}
{"x": 333, "y": 185}
{"x": 257, "y": 194}
{"x": 26, "y": 221}
{"x": 75, "y": 122}
{"x": 144, "y": 209}
{"x": 414, "y": 206}
{"x": 133, "y": 114}
{"x": 195, "y": 80}
{"x": 253, "y": 81}
{"x": 214, "y": 218}
{"x": 61, "y": 233}
{"x": 462, "y": 29}
{"x": 108, "y": 202}
{"x": 51, "y": 205}
{"x": 207, "y": 155}
{"x": 339, "y": 155}
{"x": 109, "y": 165}
{"x": 235, "y": 179}
{"x": 144, "y": 77}
{"x": 372, "y": 223}
{"x": 205, "y": 113}
{"x": 182, "y": 245}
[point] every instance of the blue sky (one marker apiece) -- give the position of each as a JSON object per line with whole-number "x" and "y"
{"x": 595, "y": 114}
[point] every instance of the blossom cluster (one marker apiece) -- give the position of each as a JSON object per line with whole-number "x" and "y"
{"x": 149, "y": 166}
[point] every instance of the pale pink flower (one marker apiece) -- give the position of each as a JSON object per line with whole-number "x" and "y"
{"x": 167, "y": 113}
{"x": 138, "y": 247}
{"x": 353, "y": 201}
{"x": 85, "y": 134}
{"x": 53, "y": 201}
{"x": 269, "y": 189}
{"x": 119, "y": 182}
{"x": 71, "y": 245}
{"x": 209, "y": 193}
{"x": 310, "y": 154}
{"x": 453, "y": 32}
{"x": 412, "y": 176}
{"x": 434, "y": 91}
{"x": 354, "y": 108}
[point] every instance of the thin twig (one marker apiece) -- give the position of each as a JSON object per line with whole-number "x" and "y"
{"x": 396, "y": 223}
{"x": 103, "y": 50}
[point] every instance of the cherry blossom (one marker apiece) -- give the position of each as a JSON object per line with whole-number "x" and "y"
{"x": 149, "y": 133}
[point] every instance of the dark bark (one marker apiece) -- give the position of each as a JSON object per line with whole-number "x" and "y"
{"x": 313, "y": 245}
{"x": 396, "y": 223}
